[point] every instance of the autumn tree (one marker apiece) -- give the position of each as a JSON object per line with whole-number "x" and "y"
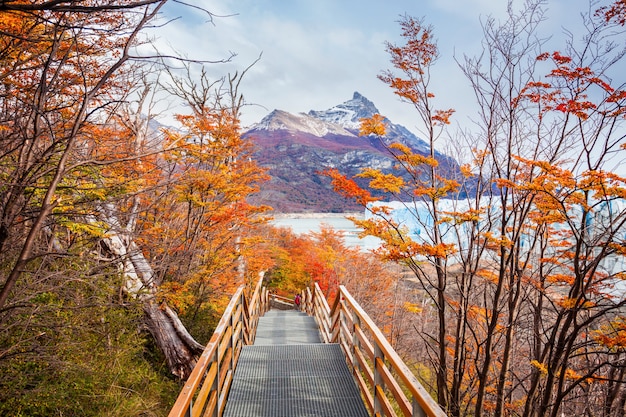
{"x": 58, "y": 72}
{"x": 527, "y": 268}
{"x": 81, "y": 162}
{"x": 177, "y": 227}
{"x": 426, "y": 184}
{"x": 62, "y": 73}
{"x": 197, "y": 229}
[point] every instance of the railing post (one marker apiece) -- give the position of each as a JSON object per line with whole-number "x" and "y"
{"x": 342, "y": 322}
{"x": 417, "y": 409}
{"x": 233, "y": 327}
{"x": 378, "y": 379}
{"x": 216, "y": 381}
{"x": 308, "y": 301}
{"x": 356, "y": 324}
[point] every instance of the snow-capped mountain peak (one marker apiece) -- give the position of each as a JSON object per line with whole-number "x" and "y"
{"x": 349, "y": 113}
{"x": 341, "y": 120}
{"x": 301, "y": 122}
{"x": 295, "y": 148}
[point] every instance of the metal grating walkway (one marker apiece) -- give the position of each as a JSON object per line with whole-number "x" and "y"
{"x": 286, "y": 327}
{"x": 289, "y": 373}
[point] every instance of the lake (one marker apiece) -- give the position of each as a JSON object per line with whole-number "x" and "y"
{"x": 302, "y": 223}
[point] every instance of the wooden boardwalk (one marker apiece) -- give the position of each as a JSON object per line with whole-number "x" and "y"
{"x": 288, "y": 372}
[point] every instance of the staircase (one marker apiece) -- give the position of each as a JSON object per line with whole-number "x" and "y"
{"x": 289, "y": 372}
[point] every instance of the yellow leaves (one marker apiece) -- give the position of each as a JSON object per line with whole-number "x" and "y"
{"x": 466, "y": 170}
{"x": 542, "y": 368}
{"x": 568, "y": 303}
{"x": 384, "y": 182}
{"x": 441, "y": 250}
{"x": 572, "y": 375}
{"x": 505, "y": 183}
{"x": 446, "y": 186}
{"x": 411, "y": 158}
{"x": 561, "y": 279}
{"x": 412, "y": 307}
{"x": 175, "y": 295}
{"x": 496, "y": 242}
{"x": 374, "y": 125}
{"x": 604, "y": 184}
{"x": 471, "y": 215}
{"x": 612, "y": 335}
{"x": 401, "y": 148}
{"x": 569, "y": 373}
{"x": 618, "y": 248}
{"x": 96, "y": 229}
{"x": 488, "y": 275}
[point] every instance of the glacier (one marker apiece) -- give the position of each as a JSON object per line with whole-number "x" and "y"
{"x": 415, "y": 217}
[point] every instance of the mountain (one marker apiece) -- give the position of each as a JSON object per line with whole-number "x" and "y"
{"x": 295, "y": 148}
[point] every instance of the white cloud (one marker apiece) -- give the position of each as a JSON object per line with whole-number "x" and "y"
{"x": 316, "y": 53}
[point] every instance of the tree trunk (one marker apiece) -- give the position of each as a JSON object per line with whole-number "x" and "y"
{"x": 179, "y": 349}
{"x": 178, "y": 346}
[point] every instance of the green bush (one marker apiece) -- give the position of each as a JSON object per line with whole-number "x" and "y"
{"x": 79, "y": 351}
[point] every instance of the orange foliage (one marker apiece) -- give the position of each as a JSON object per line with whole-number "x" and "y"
{"x": 442, "y": 116}
{"x": 348, "y": 188}
{"x": 613, "y": 334}
{"x": 577, "y": 81}
{"x": 388, "y": 183}
{"x": 614, "y": 13}
{"x": 374, "y": 125}
{"x": 197, "y": 221}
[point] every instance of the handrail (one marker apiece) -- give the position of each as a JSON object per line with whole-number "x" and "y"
{"x": 387, "y": 384}
{"x": 283, "y": 299}
{"x": 207, "y": 387}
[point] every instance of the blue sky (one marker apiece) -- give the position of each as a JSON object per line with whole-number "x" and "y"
{"x": 316, "y": 53}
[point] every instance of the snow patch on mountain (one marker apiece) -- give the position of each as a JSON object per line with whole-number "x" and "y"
{"x": 344, "y": 120}
{"x": 301, "y": 122}
{"x": 349, "y": 113}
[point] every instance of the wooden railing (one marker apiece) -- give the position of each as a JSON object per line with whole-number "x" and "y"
{"x": 206, "y": 389}
{"x": 280, "y": 302}
{"x": 387, "y": 385}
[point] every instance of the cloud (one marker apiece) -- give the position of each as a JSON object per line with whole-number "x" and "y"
{"x": 315, "y": 54}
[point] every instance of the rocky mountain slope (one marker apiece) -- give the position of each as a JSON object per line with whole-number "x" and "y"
{"x": 297, "y": 147}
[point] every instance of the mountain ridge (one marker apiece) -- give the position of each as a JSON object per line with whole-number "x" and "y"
{"x": 296, "y": 148}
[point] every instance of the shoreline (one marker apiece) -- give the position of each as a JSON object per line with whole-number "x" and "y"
{"x": 315, "y": 215}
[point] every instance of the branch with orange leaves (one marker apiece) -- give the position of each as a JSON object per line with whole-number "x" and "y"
{"x": 348, "y": 187}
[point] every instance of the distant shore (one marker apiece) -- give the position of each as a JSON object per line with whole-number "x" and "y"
{"x": 304, "y": 223}
{"x": 314, "y": 215}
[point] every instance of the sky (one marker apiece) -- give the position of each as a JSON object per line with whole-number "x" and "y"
{"x": 315, "y": 54}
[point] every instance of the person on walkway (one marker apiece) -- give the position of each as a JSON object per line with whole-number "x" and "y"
{"x": 297, "y": 301}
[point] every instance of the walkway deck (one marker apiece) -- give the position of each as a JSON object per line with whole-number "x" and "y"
{"x": 288, "y": 372}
